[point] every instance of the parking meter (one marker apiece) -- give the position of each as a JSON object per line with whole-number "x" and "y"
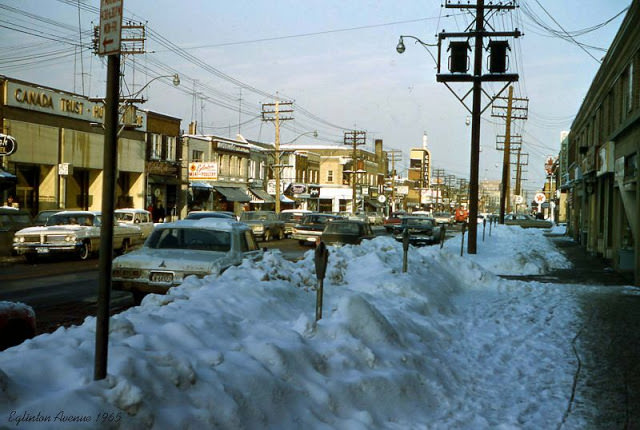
{"x": 321, "y": 258}
{"x": 405, "y": 247}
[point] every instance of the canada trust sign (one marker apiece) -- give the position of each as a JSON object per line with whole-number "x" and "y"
{"x": 33, "y": 98}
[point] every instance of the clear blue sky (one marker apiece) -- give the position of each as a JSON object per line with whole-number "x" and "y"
{"x": 335, "y": 59}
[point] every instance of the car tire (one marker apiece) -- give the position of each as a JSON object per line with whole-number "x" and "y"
{"x": 85, "y": 251}
{"x": 267, "y": 236}
{"x": 281, "y": 235}
{"x": 125, "y": 246}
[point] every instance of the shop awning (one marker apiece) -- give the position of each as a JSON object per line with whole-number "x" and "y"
{"x": 285, "y": 199}
{"x": 262, "y": 195}
{"x": 164, "y": 179}
{"x": 201, "y": 185}
{"x": 6, "y": 176}
{"x": 375, "y": 203}
{"x": 233, "y": 194}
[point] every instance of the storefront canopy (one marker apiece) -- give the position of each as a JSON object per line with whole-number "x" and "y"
{"x": 7, "y": 177}
{"x": 285, "y": 199}
{"x": 233, "y": 194}
{"x": 201, "y": 185}
{"x": 262, "y": 195}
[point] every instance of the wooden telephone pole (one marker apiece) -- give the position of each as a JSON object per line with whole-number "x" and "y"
{"x": 354, "y": 138}
{"x": 272, "y": 112}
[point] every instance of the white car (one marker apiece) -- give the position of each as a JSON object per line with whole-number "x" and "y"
{"x": 70, "y": 232}
{"x": 179, "y": 249}
{"x": 139, "y": 218}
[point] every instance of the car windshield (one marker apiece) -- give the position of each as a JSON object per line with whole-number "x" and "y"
{"x": 190, "y": 238}
{"x": 419, "y": 221}
{"x": 342, "y": 228}
{"x": 74, "y": 219}
{"x": 124, "y": 216}
{"x": 43, "y": 217}
{"x": 254, "y": 216}
{"x": 201, "y": 215}
{"x": 316, "y": 219}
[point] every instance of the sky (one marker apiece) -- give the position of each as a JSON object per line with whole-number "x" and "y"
{"x": 448, "y": 344}
{"x": 335, "y": 60}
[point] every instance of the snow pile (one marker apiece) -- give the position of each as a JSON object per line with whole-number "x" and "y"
{"x": 446, "y": 345}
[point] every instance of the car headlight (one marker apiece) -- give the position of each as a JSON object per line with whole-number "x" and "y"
{"x": 70, "y": 238}
{"x": 18, "y": 239}
{"x": 258, "y": 227}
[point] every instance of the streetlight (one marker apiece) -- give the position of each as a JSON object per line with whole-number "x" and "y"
{"x": 132, "y": 97}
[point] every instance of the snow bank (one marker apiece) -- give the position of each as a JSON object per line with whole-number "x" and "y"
{"x": 447, "y": 344}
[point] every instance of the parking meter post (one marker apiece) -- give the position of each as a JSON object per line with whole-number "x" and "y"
{"x": 405, "y": 247}
{"x": 443, "y": 233}
{"x": 484, "y": 227}
{"x": 464, "y": 228}
{"x": 321, "y": 258}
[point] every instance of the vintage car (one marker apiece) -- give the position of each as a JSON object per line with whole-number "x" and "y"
{"x": 139, "y": 218}
{"x": 443, "y": 218}
{"x": 211, "y": 214}
{"x": 182, "y": 248}
{"x": 310, "y": 228}
{"x": 11, "y": 221}
{"x": 346, "y": 232}
{"x": 265, "y": 224}
{"x": 392, "y": 220}
{"x": 42, "y": 216}
{"x": 422, "y": 230}
{"x": 71, "y": 232}
{"x": 291, "y": 217}
{"x": 526, "y": 221}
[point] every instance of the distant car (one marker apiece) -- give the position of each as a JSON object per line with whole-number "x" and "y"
{"x": 179, "y": 249}
{"x": 71, "y": 232}
{"x": 375, "y": 218}
{"x": 291, "y": 217}
{"x": 346, "y": 232}
{"x": 210, "y": 214}
{"x": 17, "y": 323}
{"x": 443, "y": 218}
{"x": 526, "y": 221}
{"x": 422, "y": 230}
{"x": 393, "y": 219}
{"x": 311, "y": 227}
{"x": 265, "y": 224}
{"x": 11, "y": 221}
{"x": 139, "y": 218}
{"x": 43, "y": 216}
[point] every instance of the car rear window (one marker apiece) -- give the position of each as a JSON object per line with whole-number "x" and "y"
{"x": 190, "y": 238}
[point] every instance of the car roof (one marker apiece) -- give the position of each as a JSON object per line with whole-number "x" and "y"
{"x": 225, "y": 224}
{"x": 132, "y": 210}
{"x": 302, "y": 211}
{"x": 79, "y": 212}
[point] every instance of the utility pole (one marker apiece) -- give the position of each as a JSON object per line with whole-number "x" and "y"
{"x": 274, "y": 115}
{"x": 354, "y": 138}
{"x": 395, "y": 155}
{"x": 459, "y": 68}
{"x": 438, "y": 174}
{"x": 516, "y": 108}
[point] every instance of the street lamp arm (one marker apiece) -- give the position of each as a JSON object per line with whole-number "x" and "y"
{"x": 401, "y": 48}
{"x": 175, "y": 81}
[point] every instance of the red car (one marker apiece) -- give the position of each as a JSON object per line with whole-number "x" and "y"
{"x": 393, "y": 220}
{"x": 17, "y": 324}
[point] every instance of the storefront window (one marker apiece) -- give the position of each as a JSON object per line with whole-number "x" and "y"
{"x": 156, "y": 146}
{"x": 171, "y": 148}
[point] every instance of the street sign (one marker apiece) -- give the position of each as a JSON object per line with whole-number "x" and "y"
{"x": 519, "y": 199}
{"x": 110, "y": 27}
{"x": 540, "y": 198}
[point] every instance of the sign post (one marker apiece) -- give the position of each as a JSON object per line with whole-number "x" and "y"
{"x": 110, "y": 30}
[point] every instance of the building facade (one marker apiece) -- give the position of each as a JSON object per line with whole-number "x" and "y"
{"x": 601, "y": 160}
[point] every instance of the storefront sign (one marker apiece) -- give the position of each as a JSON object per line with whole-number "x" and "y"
{"x": 298, "y": 188}
{"x": 232, "y": 147}
{"x": 207, "y": 171}
{"x": 161, "y": 168}
{"x": 8, "y": 145}
{"x": 314, "y": 192}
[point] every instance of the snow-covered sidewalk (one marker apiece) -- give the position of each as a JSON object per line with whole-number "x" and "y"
{"x": 446, "y": 345}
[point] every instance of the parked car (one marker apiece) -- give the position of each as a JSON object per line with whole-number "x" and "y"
{"x": 443, "y": 218}
{"x": 291, "y": 217}
{"x": 311, "y": 227}
{"x": 211, "y": 214}
{"x": 374, "y": 218}
{"x": 17, "y": 324}
{"x": 393, "y": 219}
{"x": 43, "y": 216}
{"x": 182, "y": 248}
{"x": 344, "y": 232}
{"x": 139, "y": 218}
{"x": 265, "y": 224}
{"x": 422, "y": 230}
{"x": 11, "y": 221}
{"x": 526, "y": 221}
{"x": 71, "y": 232}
